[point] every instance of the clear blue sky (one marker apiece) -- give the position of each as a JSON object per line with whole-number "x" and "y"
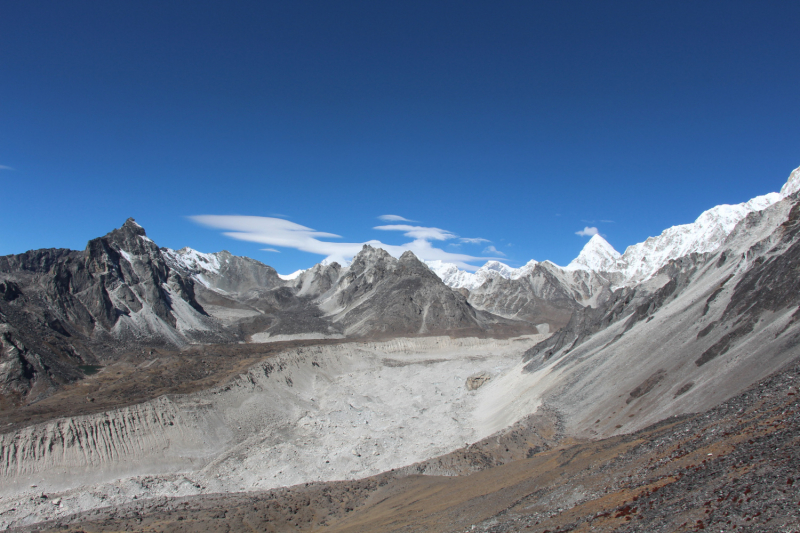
{"x": 515, "y": 122}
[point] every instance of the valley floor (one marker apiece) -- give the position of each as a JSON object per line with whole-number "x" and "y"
{"x": 312, "y": 413}
{"x": 735, "y": 467}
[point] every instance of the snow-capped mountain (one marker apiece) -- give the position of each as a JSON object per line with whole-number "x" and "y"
{"x": 222, "y": 271}
{"x": 706, "y": 234}
{"x": 452, "y": 276}
{"x": 597, "y": 255}
{"x": 640, "y": 261}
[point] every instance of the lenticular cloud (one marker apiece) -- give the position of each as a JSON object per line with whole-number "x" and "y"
{"x": 394, "y": 218}
{"x": 284, "y": 233}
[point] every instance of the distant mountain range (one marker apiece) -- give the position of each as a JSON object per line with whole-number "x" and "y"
{"x": 61, "y": 309}
{"x": 199, "y": 397}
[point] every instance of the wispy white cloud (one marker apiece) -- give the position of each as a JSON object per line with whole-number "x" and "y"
{"x": 285, "y": 234}
{"x": 493, "y": 250}
{"x": 419, "y": 232}
{"x": 394, "y": 218}
{"x": 270, "y": 250}
{"x": 587, "y": 232}
{"x": 607, "y": 221}
{"x": 471, "y": 240}
{"x": 3, "y": 167}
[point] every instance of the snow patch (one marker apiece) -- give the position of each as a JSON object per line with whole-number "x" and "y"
{"x": 126, "y": 255}
{"x": 194, "y": 261}
{"x": 293, "y": 275}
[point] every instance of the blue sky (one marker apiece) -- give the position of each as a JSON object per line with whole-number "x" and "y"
{"x": 510, "y": 125}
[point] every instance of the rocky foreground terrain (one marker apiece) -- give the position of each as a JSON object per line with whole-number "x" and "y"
{"x": 733, "y": 468}
{"x": 143, "y": 388}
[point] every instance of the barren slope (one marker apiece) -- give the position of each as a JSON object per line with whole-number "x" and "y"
{"x": 734, "y": 467}
{"x": 324, "y": 412}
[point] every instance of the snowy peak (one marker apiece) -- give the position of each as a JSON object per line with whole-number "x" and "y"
{"x": 450, "y": 274}
{"x": 792, "y": 185}
{"x": 496, "y": 268}
{"x": 597, "y": 255}
{"x": 453, "y": 277}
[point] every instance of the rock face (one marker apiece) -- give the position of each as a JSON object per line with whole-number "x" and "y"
{"x": 546, "y": 294}
{"x": 61, "y": 308}
{"x": 381, "y": 295}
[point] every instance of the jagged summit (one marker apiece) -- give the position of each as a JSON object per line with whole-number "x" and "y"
{"x": 131, "y": 224}
{"x": 597, "y": 255}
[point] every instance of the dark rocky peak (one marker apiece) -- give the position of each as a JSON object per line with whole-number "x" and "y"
{"x": 104, "y": 256}
{"x": 375, "y": 263}
{"x": 371, "y": 258}
{"x": 130, "y": 238}
{"x": 409, "y": 264}
{"x": 122, "y": 272}
{"x": 370, "y": 265}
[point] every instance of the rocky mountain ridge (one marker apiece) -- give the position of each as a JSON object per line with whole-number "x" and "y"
{"x": 702, "y": 329}
{"x": 61, "y": 309}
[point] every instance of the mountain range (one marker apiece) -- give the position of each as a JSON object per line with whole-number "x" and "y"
{"x": 608, "y": 345}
